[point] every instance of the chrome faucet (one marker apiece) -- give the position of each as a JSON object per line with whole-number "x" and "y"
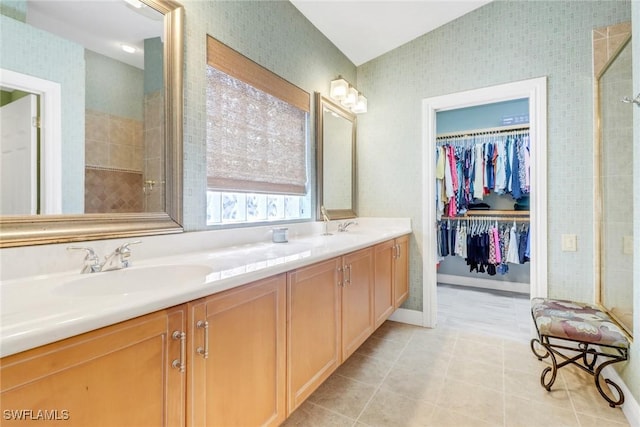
{"x": 325, "y": 218}
{"x": 117, "y": 260}
{"x": 343, "y": 226}
{"x": 91, "y": 260}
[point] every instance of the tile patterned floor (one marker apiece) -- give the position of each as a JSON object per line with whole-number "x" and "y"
{"x": 465, "y": 373}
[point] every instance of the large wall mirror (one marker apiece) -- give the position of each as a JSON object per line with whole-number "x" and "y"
{"x": 614, "y": 151}
{"x": 336, "y": 165}
{"x": 91, "y": 120}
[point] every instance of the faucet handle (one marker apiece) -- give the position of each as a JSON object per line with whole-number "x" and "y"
{"x": 124, "y": 252}
{"x": 124, "y": 248}
{"x": 91, "y": 254}
{"x": 91, "y": 259}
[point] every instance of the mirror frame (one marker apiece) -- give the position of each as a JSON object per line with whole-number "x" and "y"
{"x": 601, "y": 65}
{"x": 320, "y": 104}
{"x": 45, "y": 229}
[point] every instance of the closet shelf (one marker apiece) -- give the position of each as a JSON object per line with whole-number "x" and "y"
{"x": 496, "y": 213}
{"x": 486, "y": 131}
{"x": 521, "y": 215}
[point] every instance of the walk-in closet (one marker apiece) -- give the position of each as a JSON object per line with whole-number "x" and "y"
{"x": 482, "y": 189}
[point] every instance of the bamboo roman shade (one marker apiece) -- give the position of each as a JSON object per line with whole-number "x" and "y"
{"x": 256, "y": 126}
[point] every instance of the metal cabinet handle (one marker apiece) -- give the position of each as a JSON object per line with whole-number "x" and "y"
{"x": 204, "y": 352}
{"x": 340, "y": 282}
{"x": 348, "y": 267}
{"x": 397, "y": 251}
{"x": 179, "y": 363}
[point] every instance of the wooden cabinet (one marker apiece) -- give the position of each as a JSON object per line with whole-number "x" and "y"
{"x": 248, "y": 356}
{"x": 384, "y": 295}
{"x": 115, "y": 376}
{"x": 330, "y": 314}
{"x": 313, "y": 328}
{"x": 401, "y": 270}
{"x": 237, "y": 356}
{"x": 391, "y": 277}
{"x": 357, "y": 300}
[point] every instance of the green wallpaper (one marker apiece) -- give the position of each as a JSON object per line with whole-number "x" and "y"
{"x": 497, "y": 43}
{"x": 38, "y": 53}
{"x": 271, "y": 33}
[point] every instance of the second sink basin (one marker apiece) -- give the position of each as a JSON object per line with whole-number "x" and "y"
{"x": 134, "y": 279}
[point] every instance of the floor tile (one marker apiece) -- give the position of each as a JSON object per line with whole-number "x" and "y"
{"x": 388, "y": 409}
{"x": 407, "y": 382}
{"x": 424, "y": 361}
{"x": 343, "y": 395}
{"x": 395, "y": 331}
{"x": 479, "y": 402}
{"x": 309, "y": 414}
{"x": 489, "y": 352}
{"x": 447, "y": 418}
{"x": 526, "y": 413}
{"x": 365, "y": 369}
{"x": 527, "y": 385}
{"x": 464, "y": 373}
{"x": 381, "y": 348}
{"x": 472, "y": 371}
{"x": 591, "y": 421}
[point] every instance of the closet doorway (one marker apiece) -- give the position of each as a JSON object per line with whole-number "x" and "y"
{"x": 534, "y": 91}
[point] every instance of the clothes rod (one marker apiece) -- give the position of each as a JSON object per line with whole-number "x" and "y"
{"x": 499, "y": 218}
{"x": 485, "y": 131}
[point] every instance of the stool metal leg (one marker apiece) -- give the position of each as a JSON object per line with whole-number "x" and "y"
{"x": 597, "y": 376}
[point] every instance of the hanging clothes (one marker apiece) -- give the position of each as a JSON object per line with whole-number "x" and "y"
{"x": 470, "y": 167}
{"x": 485, "y": 245}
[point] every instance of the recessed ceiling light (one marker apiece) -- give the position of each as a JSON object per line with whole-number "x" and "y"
{"x": 127, "y": 48}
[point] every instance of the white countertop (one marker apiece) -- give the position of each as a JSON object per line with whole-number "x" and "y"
{"x": 38, "y": 310}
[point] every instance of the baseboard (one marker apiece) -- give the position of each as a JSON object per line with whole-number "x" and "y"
{"x": 405, "y": 315}
{"x": 630, "y": 408}
{"x": 478, "y": 282}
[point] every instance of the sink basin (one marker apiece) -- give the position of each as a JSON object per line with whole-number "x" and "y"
{"x": 134, "y": 279}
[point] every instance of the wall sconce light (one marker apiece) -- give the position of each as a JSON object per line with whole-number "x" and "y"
{"x": 339, "y": 89}
{"x": 361, "y": 105}
{"x": 347, "y": 95}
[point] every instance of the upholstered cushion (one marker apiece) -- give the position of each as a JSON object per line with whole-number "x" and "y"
{"x": 576, "y": 321}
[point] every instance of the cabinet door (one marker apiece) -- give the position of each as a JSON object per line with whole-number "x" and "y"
{"x": 383, "y": 297}
{"x": 313, "y": 328}
{"x": 241, "y": 381}
{"x": 116, "y": 376}
{"x": 401, "y": 270}
{"x": 357, "y": 300}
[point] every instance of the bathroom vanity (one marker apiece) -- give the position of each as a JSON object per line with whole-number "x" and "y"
{"x": 250, "y": 334}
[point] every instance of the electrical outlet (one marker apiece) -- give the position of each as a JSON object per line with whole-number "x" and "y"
{"x": 569, "y": 243}
{"x": 627, "y": 245}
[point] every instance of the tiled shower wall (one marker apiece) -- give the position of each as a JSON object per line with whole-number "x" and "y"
{"x": 114, "y": 163}
{"x": 154, "y": 152}
{"x": 124, "y": 158}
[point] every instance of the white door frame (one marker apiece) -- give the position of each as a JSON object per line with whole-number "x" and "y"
{"x": 50, "y": 135}
{"x": 536, "y": 91}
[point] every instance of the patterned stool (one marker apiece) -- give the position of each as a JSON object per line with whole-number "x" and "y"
{"x": 580, "y": 328}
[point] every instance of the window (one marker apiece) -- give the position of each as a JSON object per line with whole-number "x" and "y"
{"x": 256, "y": 142}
